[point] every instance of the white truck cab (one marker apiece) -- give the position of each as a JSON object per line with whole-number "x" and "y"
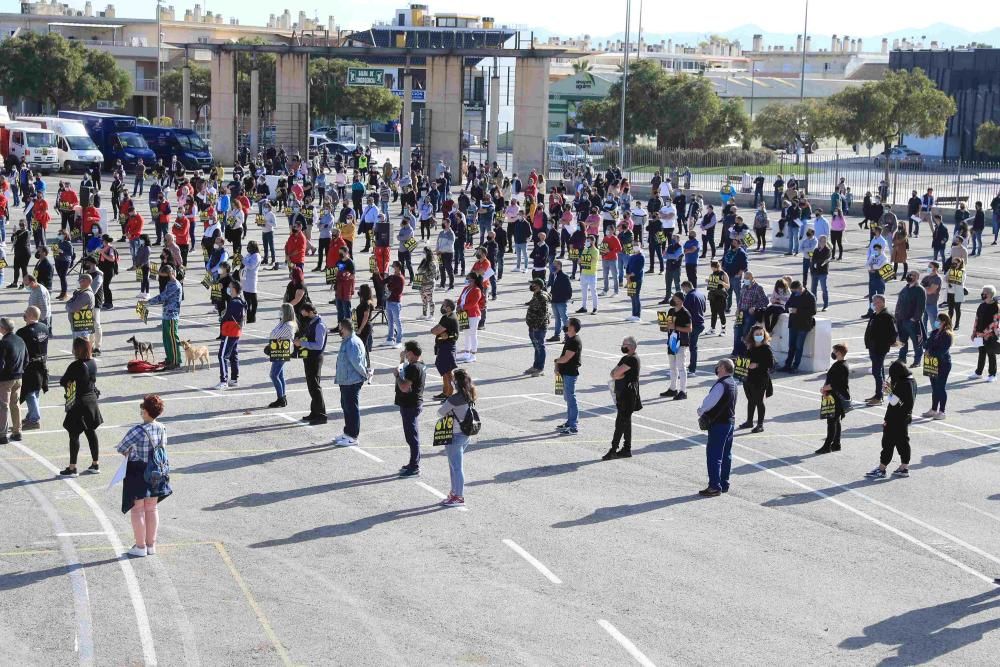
{"x": 27, "y": 143}
{"x": 75, "y": 149}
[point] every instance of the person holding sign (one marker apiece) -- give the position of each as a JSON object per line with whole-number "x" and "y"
{"x": 471, "y": 301}
{"x": 757, "y": 383}
{"x": 633, "y": 276}
{"x": 879, "y": 270}
{"x": 985, "y": 329}
{"x": 407, "y": 243}
{"x": 82, "y": 414}
{"x": 170, "y": 298}
{"x": 279, "y": 351}
{"x": 351, "y": 374}
{"x": 937, "y": 364}
{"x": 589, "y": 258}
{"x": 411, "y": 378}
{"x": 896, "y": 424}
{"x": 80, "y": 308}
{"x": 343, "y": 285}
{"x": 956, "y": 291}
{"x": 835, "y": 392}
{"x": 445, "y": 336}
{"x": 452, "y": 413}
{"x": 679, "y": 326}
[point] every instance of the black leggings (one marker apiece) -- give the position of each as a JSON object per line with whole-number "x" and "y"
{"x": 832, "y": 432}
{"x": 755, "y": 401}
{"x": 623, "y": 429}
{"x": 954, "y": 310}
{"x": 425, "y": 228}
{"x": 906, "y": 267}
{"x": 761, "y": 238}
{"x": 74, "y": 445}
{"x": 837, "y": 243}
{"x": 251, "y": 299}
{"x": 718, "y": 307}
{"x": 109, "y": 273}
{"x": 20, "y": 270}
{"x": 896, "y": 439}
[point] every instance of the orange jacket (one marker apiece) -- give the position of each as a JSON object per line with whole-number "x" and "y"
{"x": 181, "y": 230}
{"x": 69, "y": 197}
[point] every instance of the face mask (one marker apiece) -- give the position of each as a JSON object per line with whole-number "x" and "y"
{"x": 624, "y": 350}
{"x": 758, "y": 339}
{"x": 936, "y": 324}
{"x": 745, "y": 283}
{"x": 833, "y": 355}
{"x": 985, "y": 296}
{"x": 587, "y": 244}
{"x": 565, "y": 329}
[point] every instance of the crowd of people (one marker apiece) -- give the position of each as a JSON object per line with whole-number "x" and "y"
{"x": 451, "y": 240}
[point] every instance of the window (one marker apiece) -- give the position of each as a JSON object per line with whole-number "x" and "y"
{"x": 402, "y": 19}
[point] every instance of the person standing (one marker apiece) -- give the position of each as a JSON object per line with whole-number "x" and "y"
{"x": 679, "y": 329}
{"x": 445, "y": 334}
{"x": 610, "y": 248}
{"x": 140, "y": 497}
{"x": 876, "y": 283}
{"x": 757, "y": 385}
{"x": 35, "y": 379}
{"x": 537, "y": 319}
{"x": 13, "y": 363}
{"x": 561, "y": 292}
{"x": 627, "y": 399}
{"x": 311, "y": 345}
{"x": 352, "y": 373}
{"x": 735, "y": 263}
{"x": 718, "y": 412}
{"x": 932, "y": 284}
{"x": 820, "y": 265}
{"x": 836, "y": 388}
{"x": 956, "y": 291}
{"x": 938, "y": 348}
{"x": 540, "y": 257}
{"x": 896, "y": 424}
{"x": 567, "y": 366}
{"x": 411, "y": 378}
{"x": 82, "y": 414}
{"x": 395, "y": 284}
{"x": 445, "y": 247}
{"x": 718, "y": 287}
{"x": 230, "y": 330}
{"x": 752, "y": 301}
{"x": 985, "y": 328}
{"x": 457, "y": 406}
{"x": 910, "y": 306}
{"x": 170, "y": 299}
{"x": 633, "y": 281}
{"x": 589, "y": 258}
{"x": 880, "y": 335}
{"x": 801, "y": 308}
{"x": 471, "y": 301}
{"x": 284, "y": 331}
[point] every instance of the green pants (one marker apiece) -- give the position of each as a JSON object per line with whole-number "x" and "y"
{"x": 171, "y": 343}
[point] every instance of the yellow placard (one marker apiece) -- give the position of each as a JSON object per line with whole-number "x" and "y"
{"x": 444, "y": 431}
{"x": 83, "y": 320}
{"x": 742, "y": 367}
{"x": 280, "y": 349}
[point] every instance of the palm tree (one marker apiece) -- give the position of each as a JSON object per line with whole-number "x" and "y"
{"x": 581, "y": 66}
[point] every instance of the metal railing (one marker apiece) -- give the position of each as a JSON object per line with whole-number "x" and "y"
{"x": 145, "y": 85}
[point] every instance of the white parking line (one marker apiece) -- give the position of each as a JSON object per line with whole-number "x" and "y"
{"x": 364, "y": 453}
{"x": 537, "y": 564}
{"x": 431, "y": 489}
{"x": 983, "y": 512}
{"x": 626, "y": 643}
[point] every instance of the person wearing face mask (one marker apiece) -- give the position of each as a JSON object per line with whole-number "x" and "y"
{"x": 757, "y": 384}
{"x": 910, "y": 306}
{"x": 537, "y": 319}
{"x": 985, "y": 328}
{"x": 325, "y": 226}
{"x": 472, "y": 300}
{"x": 876, "y": 283}
{"x": 896, "y": 424}
{"x": 718, "y": 286}
{"x": 625, "y": 376}
{"x": 735, "y": 262}
{"x": 351, "y": 374}
{"x": 718, "y": 414}
{"x": 691, "y": 249}
{"x": 937, "y": 351}
{"x": 801, "y": 306}
{"x": 837, "y": 387}
{"x": 169, "y": 298}
{"x": 820, "y": 266}
{"x": 956, "y": 291}
{"x": 589, "y": 259}
{"x": 312, "y": 339}
{"x": 678, "y": 342}
{"x": 445, "y": 334}
{"x": 411, "y": 377}
{"x": 567, "y": 365}
{"x": 931, "y": 283}
{"x": 633, "y": 281}
{"x": 808, "y": 246}
{"x": 231, "y": 329}
{"x": 753, "y": 301}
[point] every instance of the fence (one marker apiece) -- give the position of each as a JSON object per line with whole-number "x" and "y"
{"x": 965, "y": 181}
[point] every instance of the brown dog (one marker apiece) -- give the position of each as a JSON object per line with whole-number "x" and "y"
{"x": 193, "y": 353}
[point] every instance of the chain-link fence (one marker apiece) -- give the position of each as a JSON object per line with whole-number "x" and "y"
{"x": 819, "y": 172}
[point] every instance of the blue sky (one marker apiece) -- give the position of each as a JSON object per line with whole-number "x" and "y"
{"x": 854, "y": 17}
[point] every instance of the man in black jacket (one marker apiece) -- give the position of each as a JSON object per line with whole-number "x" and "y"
{"x": 561, "y": 292}
{"x": 801, "y": 320}
{"x": 913, "y": 211}
{"x": 13, "y": 360}
{"x": 36, "y": 376}
{"x": 909, "y": 315}
{"x": 880, "y": 335}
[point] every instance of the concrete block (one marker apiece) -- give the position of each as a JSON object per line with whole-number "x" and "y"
{"x": 815, "y": 354}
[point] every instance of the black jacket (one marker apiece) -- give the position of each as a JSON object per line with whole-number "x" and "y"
{"x": 562, "y": 289}
{"x": 880, "y": 332}
{"x": 13, "y": 357}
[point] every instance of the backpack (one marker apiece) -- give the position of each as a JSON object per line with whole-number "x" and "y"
{"x": 471, "y": 424}
{"x": 142, "y": 366}
{"x": 157, "y": 473}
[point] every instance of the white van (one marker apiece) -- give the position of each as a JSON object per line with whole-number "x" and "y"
{"x": 76, "y": 150}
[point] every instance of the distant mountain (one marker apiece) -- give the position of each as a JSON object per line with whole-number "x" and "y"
{"x": 945, "y": 34}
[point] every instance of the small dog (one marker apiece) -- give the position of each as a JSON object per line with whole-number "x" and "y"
{"x": 140, "y": 349}
{"x": 194, "y": 354}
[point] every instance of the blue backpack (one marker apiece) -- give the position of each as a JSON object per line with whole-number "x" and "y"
{"x": 157, "y": 473}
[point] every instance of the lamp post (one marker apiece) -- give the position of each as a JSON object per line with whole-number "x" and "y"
{"x": 625, "y": 51}
{"x": 159, "y": 42}
{"x": 805, "y": 40}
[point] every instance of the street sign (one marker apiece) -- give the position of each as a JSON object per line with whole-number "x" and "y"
{"x": 365, "y": 76}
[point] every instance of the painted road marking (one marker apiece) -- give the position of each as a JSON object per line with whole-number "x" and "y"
{"x": 983, "y": 512}
{"x": 626, "y": 643}
{"x": 537, "y": 564}
{"x": 431, "y": 489}
{"x": 363, "y": 452}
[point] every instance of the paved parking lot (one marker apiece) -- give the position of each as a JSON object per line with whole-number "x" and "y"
{"x": 278, "y": 548}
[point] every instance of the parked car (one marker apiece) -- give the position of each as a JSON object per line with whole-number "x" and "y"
{"x": 563, "y": 156}
{"x": 594, "y": 144}
{"x": 469, "y": 139}
{"x": 901, "y": 157}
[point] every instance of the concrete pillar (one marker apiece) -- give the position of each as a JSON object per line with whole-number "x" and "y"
{"x": 254, "y": 112}
{"x": 444, "y": 105}
{"x": 223, "y": 107}
{"x": 406, "y": 123}
{"x": 186, "y": 96}
{"x": 494, "y": 123}
{"x": 531, "y": 114}
{"x": 291, "y": 112}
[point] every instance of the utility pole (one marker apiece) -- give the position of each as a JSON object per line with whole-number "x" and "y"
{"x": 625, "y": 52}
{"x": 159, "y": 58}
{"x": 805, "y": 40}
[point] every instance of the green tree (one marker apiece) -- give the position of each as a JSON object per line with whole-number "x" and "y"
{"x": 329, "y": 94}
{"x": 48, "y": 68}
{"x": 581, "y": 66}
{"x": 882, "y": 112}
{"x": 988, "y": 138}
{"x": 172, "y": 85}
{"x": 265, "y": 63}
{"x": 795, "y": 124}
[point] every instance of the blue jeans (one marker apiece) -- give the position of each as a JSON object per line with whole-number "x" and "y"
{"x": 796, "y": 341}
{"x": 537, "y": 337}
{"x": 636, "y": 304}
{"x": 977, "y": 242}
{"x": 939, "y": 384}
{"x": 909, "y": 331}
{"x": 930, "y": 311}
{"x": 343, "y": 309}
{"x": 35, "y": 416}
{"x": 520, "y": 252}
{"x": 735, "y": 288}
{"x": 719, "y": 455}
{"x": 674, "y": 278}
{"x": 411, "y": 432}
{"x": 819, "y": 279}
{"x": 569, "y": 393}
{"x": 875, "y": 286}
{"x": 938, "y": 251}
{"x": 806, "y": 263}
{"x": 559, "y": 310}
{"x": 137, "y": 186}
{"x": 456, "y": 453}
{"x": 278, "y": 377}
{"x": 350, "y": 397}
{"x": 622, "y": 258}
{"x": 776, "y": 203}
{"x": 133, "y": 247}
{"x": 395, "y": 323}
{"x": 996, "y": 226}
{"x": 655, "y": 252}
{"x": 793, "y": 237}
{"x": 268, "y": 239}
{"x": 878, "y": 372}
{"x": 384, "y": 207}
{"x": 610, "y": 270}
{"x": 693, "y": 346}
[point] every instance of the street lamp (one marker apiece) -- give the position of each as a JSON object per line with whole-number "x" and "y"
{"x": 621, "y": 133}
{"x": 805, "y": 40}
{"x": 159, "y": 42}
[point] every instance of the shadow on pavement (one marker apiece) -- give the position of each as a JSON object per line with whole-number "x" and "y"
{"x": 260, "y": 499}
{"x": 351, "y": 527}
{"x": 602, "y": 514}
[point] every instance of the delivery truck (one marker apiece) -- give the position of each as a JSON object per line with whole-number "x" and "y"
{"x": 76, "y": 150}
{"x": 26, "y": 143}
{"x": 187, "y": 145}
{"x": 115, "y": 136}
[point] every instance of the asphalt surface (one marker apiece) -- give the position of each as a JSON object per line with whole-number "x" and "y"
{"x": 277, "y": 548}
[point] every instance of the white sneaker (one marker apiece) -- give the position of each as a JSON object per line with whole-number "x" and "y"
{"x": 929, "y": 414}
{"x": 710, "y": 332}
{"x": 150, "y": 550}
{"x": 344, "y": 440}
{"x": 938, "y": 415}
{"x": 398, "y": 346}
{"x": 975, "y": 376}
{"x": 723, "y": 332}
{"x": 470, "y": 359}
{"x": 635, "y": 318}
{"x": 462, "y": 356}
{"x": 137, "y": 552}
{"x": 992, "y": 378}
{"x": 221, "y": 386}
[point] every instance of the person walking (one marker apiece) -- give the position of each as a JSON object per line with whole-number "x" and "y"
{"x": 411, "y": 378}
{"x": 445, "y": 334}
{"x": 141, "y": 498}
{"x": 567, "y": 366}
{"x": 937, "y": 364}
{"x": 880, "y": 336}
{"x": 83, "y": 416}
{"x": 625, "y": 376}
{"x": 836, "y": 389}
{"x": 985, "y": 329}
{"x": 896, "y": 424}
{"x": 351, "y": 374}
{"x": 282, "y": 334}
{"x": 311, "y": 345}
{"x": 717, "y": 415}
{"x": 757, "y": 385}
{"x": 456, "y": 407}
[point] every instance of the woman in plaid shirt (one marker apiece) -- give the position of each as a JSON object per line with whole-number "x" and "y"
{"x": 137, "y": 496}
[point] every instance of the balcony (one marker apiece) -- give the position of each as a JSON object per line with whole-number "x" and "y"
{"x": 145, "y": 86}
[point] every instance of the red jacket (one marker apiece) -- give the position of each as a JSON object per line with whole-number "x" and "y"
{"x": 244, "y": 203}
{"x": 133, "y": 228}
{"x": 69, "y": 197}
{"x": 295, "y": 248}
{"x": 614, "y": 247}
{"x": 474, "y": 300}
{"x": 182, "y": 230}
{"x": 90, "y": 216}
{"x": 344, "y": 288}
{"x": 40, "y": 212}
{"x": 481, "y": 266}
{"x": 333, "y": 253}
